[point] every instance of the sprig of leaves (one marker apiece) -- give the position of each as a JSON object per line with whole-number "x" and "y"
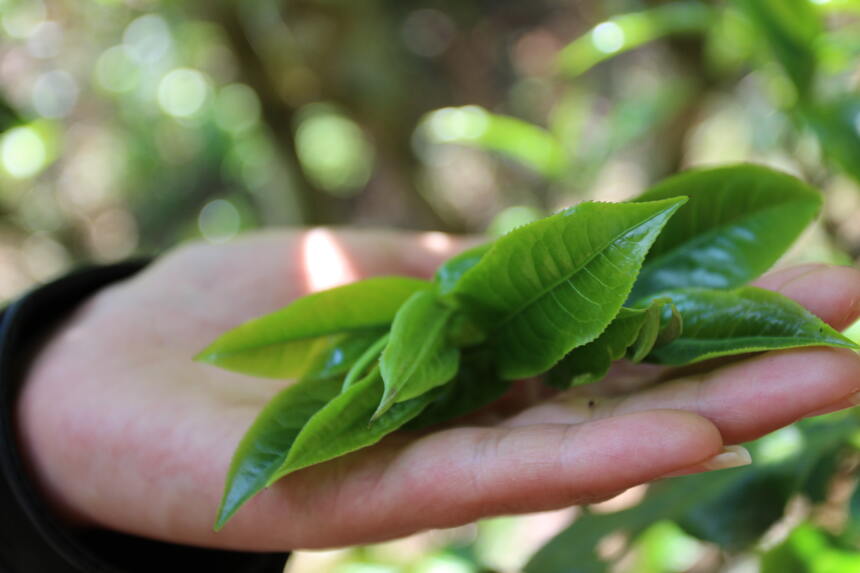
{"x": 658, "y": 279}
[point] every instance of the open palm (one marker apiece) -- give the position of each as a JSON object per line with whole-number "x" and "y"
{"x": 124, "y": 431}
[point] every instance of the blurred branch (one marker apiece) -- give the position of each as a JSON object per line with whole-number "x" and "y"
{"x": 319, "y": 208}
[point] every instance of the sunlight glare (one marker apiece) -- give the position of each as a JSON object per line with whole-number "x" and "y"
{"x": 325, "y": 262}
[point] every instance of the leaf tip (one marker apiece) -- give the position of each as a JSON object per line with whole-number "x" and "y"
{"x": 384, "y": 405}
{"x": 224, "y": 515}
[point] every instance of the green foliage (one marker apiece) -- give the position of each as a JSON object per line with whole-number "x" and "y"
{"x": 748, "y": 319}
{"x": 632, "y": 333}
{"x": 548, "y": 291}
{"x": 737, "y": 222}
{"x": 809, "y": 549}
{"x": 556, "y": 284}
{"x": 419, "y": 357}
{"x": 790, "y": 28}
{"x": 732, "y": 508}
{"x": 285, "y": 343}
{"x": 475, "y": 386}
{"x": 267, "y": 442}
{"x": 449, "y": 272}
{"x": 629, "y": 31}
{"x": 510, "y": 137}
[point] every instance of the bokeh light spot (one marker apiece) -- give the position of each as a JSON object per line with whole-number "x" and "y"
{"x": 116, "y": 71}
{"x": 182, "y": 92}
{"x": 46, "y": 40}
{"x": 237, "y": 108}
{"x": 333, "y": 150}
{"x": 457, "y": 123}
{"x": 23, "y": 19}
{"x": 608, "y": 37}
{"x": 23, "y": 152}
{"x": 219, "y": 221}
{"x": 55, "y": 93}
{"x": 511, "y": 218}
{"x": 147, "y": 39}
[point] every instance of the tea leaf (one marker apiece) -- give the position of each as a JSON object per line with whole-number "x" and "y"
{"x": 633, "y": 332}
{"x": 738, "y": 221}
{"x": 283, "y": 344}
{"x": 265, "y": 445}
{"x": 475, "y": 386}
{"x": 362, "y": 363}
{"x": 512, "y": 138}
{"x": 343, "y": 425}
{"x": 631, "y": 31}
{"x": 556, "y": 284}
{"x": 748, "y": 319}
{"x": 418, "y": 356}
{"x": 342, "y": 352}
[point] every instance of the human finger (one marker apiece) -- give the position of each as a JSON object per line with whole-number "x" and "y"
{"x": 457, "y": 476}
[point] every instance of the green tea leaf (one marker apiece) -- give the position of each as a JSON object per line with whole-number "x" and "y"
{"x": 556, "y": 284}
{"x": 366, "y": 360}
{"x": 475, "y": 386}
{"x": 341, "y": 353}
{"x": 748, "y": 319}
{"x": 739, "y": 220}
{"x": 633, "y": 331}
{"x": 449, "y": 273}
{"x": 510, "y": 137}
{"x": 285, "y": 343}
{"x": 620, "y": 34}
{"x": 265, "y": 445}
{"x": 791, "y": 28}
{"x": 343, "y": 425}
{"x": 834, "y": 122}
{"x": 418, "y": 356}
{"x": 810, "y": 549}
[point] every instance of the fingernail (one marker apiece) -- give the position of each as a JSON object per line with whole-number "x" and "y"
{"x": 730, "y": 457}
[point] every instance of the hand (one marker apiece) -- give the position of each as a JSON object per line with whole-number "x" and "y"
{"x": 125, "y": 432}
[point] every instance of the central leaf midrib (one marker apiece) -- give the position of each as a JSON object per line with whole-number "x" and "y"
{"x": 570, "y": 275}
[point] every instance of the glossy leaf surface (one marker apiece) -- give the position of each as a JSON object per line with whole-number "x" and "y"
{"x": 738, "y": 221}
{"x": 343, "y": 425}
{"x": 285, "y": 344}
{"x": 633, "y": 330}
{"x": 265, "y": 445}
{"x": 418, "y": 356}
{"x": 556, "y": 284}
{"x": 748, "y": 319}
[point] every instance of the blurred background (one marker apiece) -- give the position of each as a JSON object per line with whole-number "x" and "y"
{"x": 128, "y": 126}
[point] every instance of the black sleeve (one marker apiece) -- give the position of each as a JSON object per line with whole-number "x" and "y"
{"x": 31, "y": 541}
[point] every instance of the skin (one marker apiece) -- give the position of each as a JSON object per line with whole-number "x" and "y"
{"x": 124, "y": 431}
